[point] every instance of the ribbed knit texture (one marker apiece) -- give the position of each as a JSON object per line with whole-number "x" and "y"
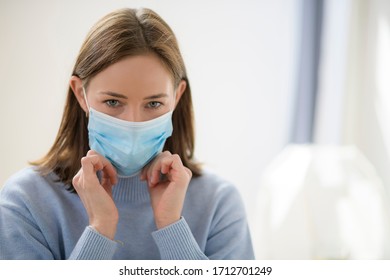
{"x": 40, "y": 219}
{"x": 130, "y": 189}
{"x": 91, "y": 243}
{"x": 176, "y": 239}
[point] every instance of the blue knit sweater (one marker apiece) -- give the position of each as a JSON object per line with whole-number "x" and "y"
{"x": 40, "y": 219}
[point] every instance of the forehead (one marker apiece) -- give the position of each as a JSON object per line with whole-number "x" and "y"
{"x": 134, "y": 75}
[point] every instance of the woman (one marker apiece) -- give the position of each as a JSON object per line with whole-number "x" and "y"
{"x": 120, "y": 181}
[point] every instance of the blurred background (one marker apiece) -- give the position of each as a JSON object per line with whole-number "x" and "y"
{"x": 291, "y": 101}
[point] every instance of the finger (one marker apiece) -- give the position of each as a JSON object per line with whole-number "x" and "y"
{"x": 171, "y": 162}
{"x": 107, "y": 184}
{"x": 76, "y": 179}
{"x": 92, "y": 153}
{"x": 89, "y": 166}
{"x": 189, "y": 172}
{"x": 156, "y": 174}
{"x": 176, "y": 163}
{"x": 108, "y": 188}
{"x": 93, "y": 160}
{"x": 109, "y": 176}
{"x": 152, "y": 172}
{"x": 177, "y": 171}
{"x": 144, "y": 172}
{"x": 164, "y": 166}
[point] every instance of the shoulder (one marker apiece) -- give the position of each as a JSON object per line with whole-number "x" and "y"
{"x": 26, "y": 185}
{"x": 212, "y": 181}
{"x": 213, "y": 188}
{"x": 28, "y": 176}
{"x": 20, "y": 179}
{"x": 215, "y": 199}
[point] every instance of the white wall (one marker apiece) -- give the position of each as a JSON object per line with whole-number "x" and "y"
{"x": 240, "y": 57}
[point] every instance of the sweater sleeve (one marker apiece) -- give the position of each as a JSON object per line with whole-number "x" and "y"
{"x": 93, "y": 246}
{"x": 176, "y": 242}
{"x": 20, "y": 238}
{"x": 229, "y": 235}
{"x": 29, "y": 231}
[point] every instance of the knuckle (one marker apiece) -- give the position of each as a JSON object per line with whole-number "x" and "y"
{"x": 91, "y": 152}
{"x": 75, "y": 181}
{"x": 176, "y": 156}
{"x": 84, "y": 160}
{"x": 166, "y": 153}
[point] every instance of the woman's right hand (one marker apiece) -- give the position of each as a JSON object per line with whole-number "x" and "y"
{"x": 97, "y": 197}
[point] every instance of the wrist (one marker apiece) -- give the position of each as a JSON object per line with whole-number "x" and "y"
{"x": 162, "y": 223}
{"x": 106, "y": 229}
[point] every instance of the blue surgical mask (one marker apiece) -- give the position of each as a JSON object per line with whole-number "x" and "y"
{"x": 129, "y": 146}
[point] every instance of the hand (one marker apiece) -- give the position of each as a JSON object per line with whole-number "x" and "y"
{"x": 167, "y": 194}
{"x": 95, "y": 196}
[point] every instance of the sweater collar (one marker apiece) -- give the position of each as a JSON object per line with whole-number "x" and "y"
{"x": 130, "y": 189}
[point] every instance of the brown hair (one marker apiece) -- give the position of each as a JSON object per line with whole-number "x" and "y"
{"x": 122, "y": 33}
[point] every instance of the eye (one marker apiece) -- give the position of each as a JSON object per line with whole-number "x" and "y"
{"x": 154, "y": 104}
{"x": 112, "y": 103}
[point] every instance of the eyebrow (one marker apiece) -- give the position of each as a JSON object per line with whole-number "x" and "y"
{"x": 114, "y": 94}
{"x": 118, "y": 95}
{"x": 156, "y": 96}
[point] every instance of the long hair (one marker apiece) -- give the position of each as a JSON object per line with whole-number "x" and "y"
{"x": 122, "y": 33}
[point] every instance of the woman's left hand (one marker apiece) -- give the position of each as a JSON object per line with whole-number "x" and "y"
{"x": 167, "y": 191}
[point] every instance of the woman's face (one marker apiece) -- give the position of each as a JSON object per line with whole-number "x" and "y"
{"x": 136, "y": 88}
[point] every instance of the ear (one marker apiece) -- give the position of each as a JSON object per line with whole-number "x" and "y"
{"x": 77, "y": 87}
{"x": 179, "y": 91}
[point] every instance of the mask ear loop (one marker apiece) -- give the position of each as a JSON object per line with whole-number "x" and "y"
{"x": 86, "y": 101}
